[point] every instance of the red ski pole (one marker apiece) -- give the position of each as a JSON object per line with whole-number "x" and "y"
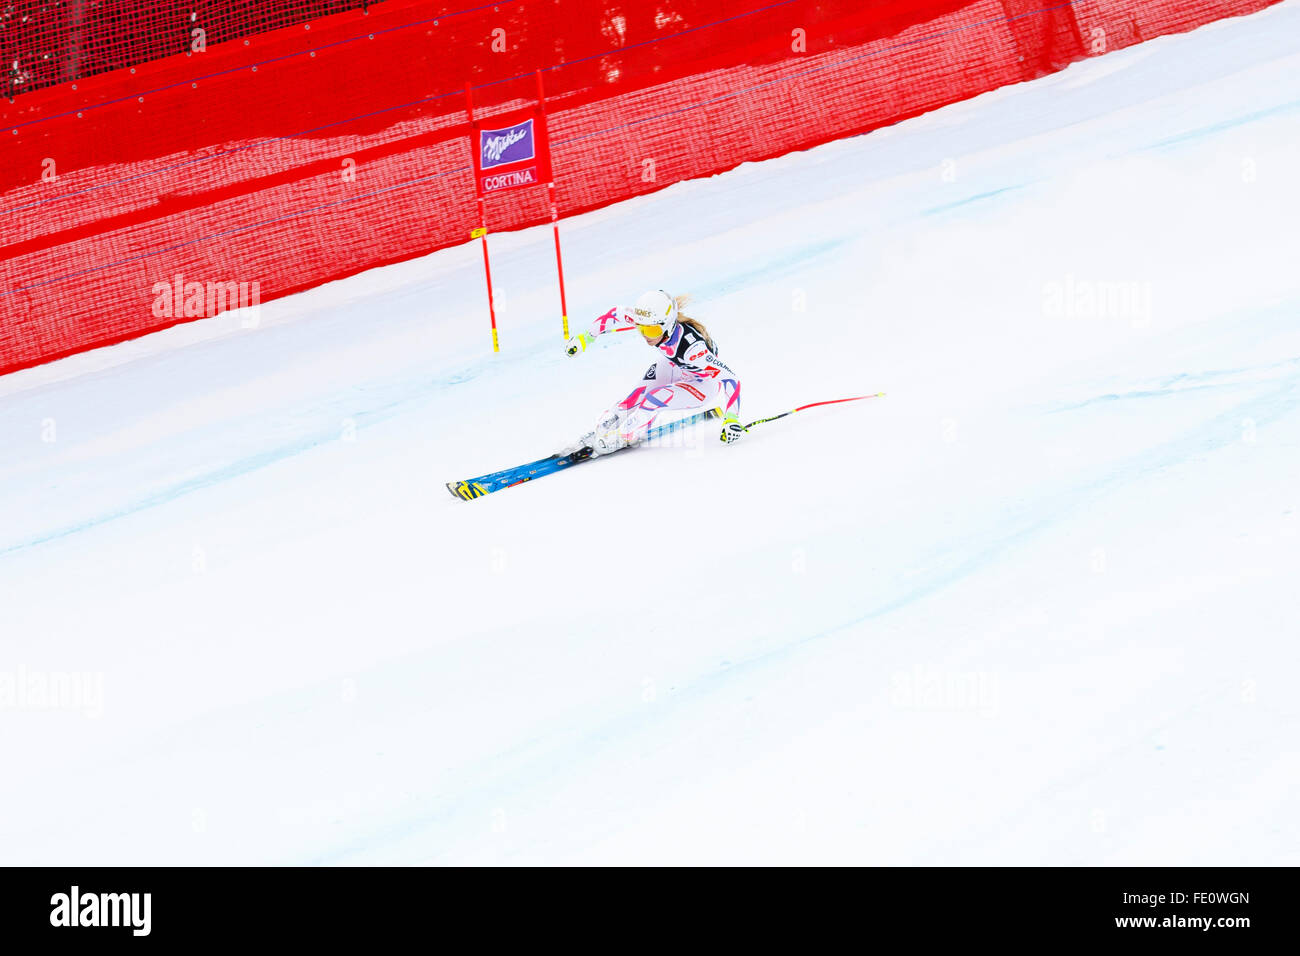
{"x": 833, "y": 401}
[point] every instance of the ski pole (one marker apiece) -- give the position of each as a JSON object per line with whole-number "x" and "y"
{"x": 834, "y": 401}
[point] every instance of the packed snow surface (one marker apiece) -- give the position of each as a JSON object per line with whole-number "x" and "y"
{"x": 1037, "y": 605}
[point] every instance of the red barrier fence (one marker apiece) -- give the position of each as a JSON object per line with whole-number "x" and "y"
{"x": 46, "y": 42}
{"x": 323, "y": 149}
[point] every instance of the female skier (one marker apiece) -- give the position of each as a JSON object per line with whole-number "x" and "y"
{"x": 687, "y": 374}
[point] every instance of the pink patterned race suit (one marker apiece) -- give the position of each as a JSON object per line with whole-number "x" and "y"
{"x": 687, "y": 376}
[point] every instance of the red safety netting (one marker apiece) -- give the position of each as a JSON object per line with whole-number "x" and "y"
{"x": 44, "y": 42}
{"x": 326, "y": 148}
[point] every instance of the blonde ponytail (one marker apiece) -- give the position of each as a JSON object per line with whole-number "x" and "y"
{"x": 694, "y": 324}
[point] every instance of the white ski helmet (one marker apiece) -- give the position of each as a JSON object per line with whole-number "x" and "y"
{"x": 655, "y": 309}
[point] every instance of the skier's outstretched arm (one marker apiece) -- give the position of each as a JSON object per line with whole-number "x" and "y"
{"x": 615, "y": 320}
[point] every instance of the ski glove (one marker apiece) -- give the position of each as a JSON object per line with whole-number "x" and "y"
{"x": 732, "y": 430}
{"x": 578, "y": 343}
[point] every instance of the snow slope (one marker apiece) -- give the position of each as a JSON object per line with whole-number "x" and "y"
{"x": 1037, "y": 605}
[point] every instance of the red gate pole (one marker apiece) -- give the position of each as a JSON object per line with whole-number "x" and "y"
{"x": 481, "y": 231}
{"x": 555, "y": 217}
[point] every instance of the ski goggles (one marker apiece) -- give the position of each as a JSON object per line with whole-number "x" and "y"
{"x": 651, "y": 332}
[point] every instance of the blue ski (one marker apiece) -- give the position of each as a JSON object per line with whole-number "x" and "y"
{"x": 496, "y": 480}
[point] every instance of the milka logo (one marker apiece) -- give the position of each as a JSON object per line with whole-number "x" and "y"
{"x": 497, "y": 144}
{"x": 102, "y": 909}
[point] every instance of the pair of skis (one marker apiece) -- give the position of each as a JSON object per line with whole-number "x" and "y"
{"x": 472, "y": 488}
{"x": 508, "y": 478}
